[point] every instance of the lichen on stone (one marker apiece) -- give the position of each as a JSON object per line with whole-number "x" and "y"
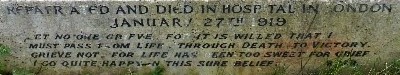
{"x": 4, "y": 50}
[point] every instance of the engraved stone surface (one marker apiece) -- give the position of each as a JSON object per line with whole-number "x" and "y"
{"x": 251, "y": 37}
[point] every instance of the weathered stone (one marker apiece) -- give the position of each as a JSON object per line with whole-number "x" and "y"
{"x": 198, "y": 37}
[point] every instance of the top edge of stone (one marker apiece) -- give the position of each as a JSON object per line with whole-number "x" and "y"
{"x": 347, "y": 1}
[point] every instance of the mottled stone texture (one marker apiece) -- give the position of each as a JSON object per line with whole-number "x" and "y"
{"x": 374, "y": 24}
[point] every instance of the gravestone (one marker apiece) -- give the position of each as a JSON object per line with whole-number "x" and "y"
{"x": 249, "y": 37}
